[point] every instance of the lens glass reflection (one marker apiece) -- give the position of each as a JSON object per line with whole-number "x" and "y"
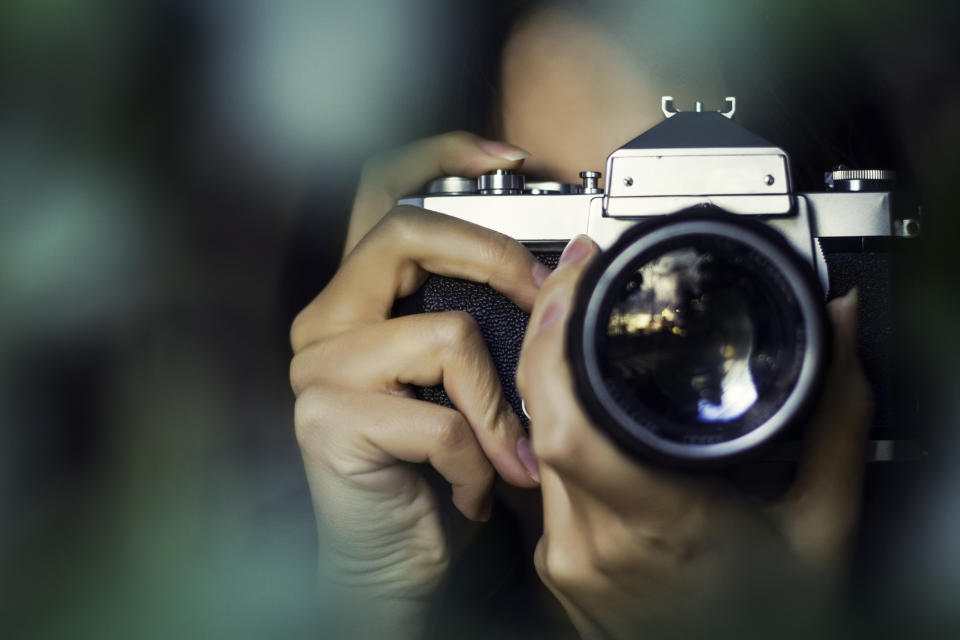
{"x": 704, "y": 340}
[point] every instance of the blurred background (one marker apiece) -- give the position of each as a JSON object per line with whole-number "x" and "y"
{"x": 175, "y": 177}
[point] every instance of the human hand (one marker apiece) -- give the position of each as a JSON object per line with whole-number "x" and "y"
{"x": 629, "y": 548}
{"x": 358, "y": 424}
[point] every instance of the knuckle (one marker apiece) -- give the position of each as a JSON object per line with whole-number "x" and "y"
{"x": 305, "y": 367}
{"x": 539, "y": 561}
{"x": 299, "y": 329}
{"x": 450, "y": 430}
{"x": 458, "y": 328}
{"x": 558, "y": 446}
{"x": 402, "y": 219}
{"x": 298, "y": 374}
{"x": 542, "y": 565}
{"x": 562, "y": 565}
{"x": 310, "y": 420}
{"x": 453, "y": 140}
{"x": 316, "y": 429}
{"x": 499, "y": 250}
{"x": 403, "y": 224}
{"x": 311, "y": 323}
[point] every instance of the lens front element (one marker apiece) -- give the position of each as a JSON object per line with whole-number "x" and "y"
{"x": 700, "y": 338}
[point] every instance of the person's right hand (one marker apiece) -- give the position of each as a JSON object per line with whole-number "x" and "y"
{"x": 357, "y": 422}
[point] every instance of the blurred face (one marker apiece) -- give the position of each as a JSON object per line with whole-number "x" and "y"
{"x": 573, "y": 92}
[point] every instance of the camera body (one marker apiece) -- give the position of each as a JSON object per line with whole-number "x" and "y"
{"x": 847, "y": 235}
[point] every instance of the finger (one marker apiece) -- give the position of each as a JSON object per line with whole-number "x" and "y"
{"x": 562, "y": 435}
{"x": 391, "y": 176}
{"x": 394, "y": 260}
{"x": 821, "y": 508}
{"x": 542, "y": 372}
{"x": 556, "y": 292}
{"x": 404, "y": 429}
{"x": 425, "y": 350}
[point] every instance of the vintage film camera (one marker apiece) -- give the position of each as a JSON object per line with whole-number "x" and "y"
{"x": 699, "y": 335}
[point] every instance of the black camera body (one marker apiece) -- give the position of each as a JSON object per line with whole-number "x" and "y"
{"x": 699, "y": 336}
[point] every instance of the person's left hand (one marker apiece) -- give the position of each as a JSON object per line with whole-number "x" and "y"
{"x": 629, "y": 548}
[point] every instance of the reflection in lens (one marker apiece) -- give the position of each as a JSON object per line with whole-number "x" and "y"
{"x": 702, "y": 337}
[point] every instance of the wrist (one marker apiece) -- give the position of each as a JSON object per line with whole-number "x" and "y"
{"x": 377, "y": 596}
{"x": 366, "y": 613}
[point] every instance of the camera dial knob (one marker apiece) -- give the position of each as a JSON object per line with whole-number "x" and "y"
{"x": 591, "y": 181}
{"x": 843, "y": 179}
{"x": 500, "y": 182}
{"x": 452, "y": 186}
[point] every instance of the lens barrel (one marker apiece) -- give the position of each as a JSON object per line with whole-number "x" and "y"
{"x": 698, "y": 338}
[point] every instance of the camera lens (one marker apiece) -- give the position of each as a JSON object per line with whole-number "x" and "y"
{"x": 703, "y": 338}
{"x": 698, "y": 337}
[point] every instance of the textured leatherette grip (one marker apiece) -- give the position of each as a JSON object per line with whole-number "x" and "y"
{"x": 873, "y": 274}
{"x": 501, "y": 322}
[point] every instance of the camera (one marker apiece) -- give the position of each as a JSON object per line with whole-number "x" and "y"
{"x": 699, "y": 335}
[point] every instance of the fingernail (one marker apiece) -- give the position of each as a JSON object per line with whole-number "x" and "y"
{"x": 528, "y": 458}
{"x": 576, "y": 250}
{"x": 504, "y": 150}
{"x": 540, "y": 272}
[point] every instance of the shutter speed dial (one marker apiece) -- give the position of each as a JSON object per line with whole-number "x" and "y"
{"x": 500, "y": 182}
{"x": 850, "y": 180}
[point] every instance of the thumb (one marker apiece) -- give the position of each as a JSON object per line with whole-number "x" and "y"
{"x": 387, "y": 177}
